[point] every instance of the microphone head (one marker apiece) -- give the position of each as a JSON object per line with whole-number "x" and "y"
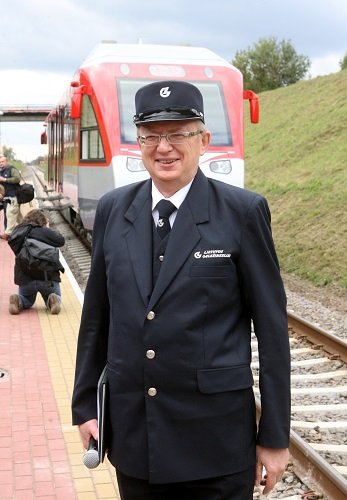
{"x": 91, "y": 459}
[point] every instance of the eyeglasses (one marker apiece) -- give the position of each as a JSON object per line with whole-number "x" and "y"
{"x": 175, "y": 138}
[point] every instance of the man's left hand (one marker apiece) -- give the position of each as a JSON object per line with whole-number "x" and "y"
{"x": 274, "y": 461}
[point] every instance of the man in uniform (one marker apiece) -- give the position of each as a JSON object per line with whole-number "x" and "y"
{"x": 182, "y": 265}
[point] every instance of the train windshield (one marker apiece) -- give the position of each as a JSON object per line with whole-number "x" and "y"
{"x": 214, "y": 106}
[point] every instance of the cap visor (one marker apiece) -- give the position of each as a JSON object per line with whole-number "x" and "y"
{"x": 164, "y": 116}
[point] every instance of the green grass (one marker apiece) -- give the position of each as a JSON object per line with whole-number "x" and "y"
{"x": 297, "y": 157}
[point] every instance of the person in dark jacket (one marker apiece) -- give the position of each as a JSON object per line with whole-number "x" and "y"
{"x": 35, "y": 225}
{"x": 10, "y": 179}
{"x": 3, "y": 202}
{"x": 170, "y": 316}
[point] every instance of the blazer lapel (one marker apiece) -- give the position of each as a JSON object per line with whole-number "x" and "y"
{"x": 139, "y": 239}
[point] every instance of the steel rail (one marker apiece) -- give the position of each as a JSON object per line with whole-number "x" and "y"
{"x": 330, "y": 342}
{"x": 308, "y": 464}
{"x": 315, "y": 471}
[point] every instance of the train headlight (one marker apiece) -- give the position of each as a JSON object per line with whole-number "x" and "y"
{"x": 135, "y": 164}
{"x": 221, "y": 166}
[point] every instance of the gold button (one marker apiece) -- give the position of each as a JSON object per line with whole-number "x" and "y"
{"x": 150, "y": 354}
{"x": 151, "y": 315}
{"x": 152, "y": 391}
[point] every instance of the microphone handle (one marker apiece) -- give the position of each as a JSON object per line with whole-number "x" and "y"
{"x": 93, "y": 444}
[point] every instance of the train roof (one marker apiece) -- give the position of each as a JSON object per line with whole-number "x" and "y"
{"x": 155, "y": 54}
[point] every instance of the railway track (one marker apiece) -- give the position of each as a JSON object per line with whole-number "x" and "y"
{"x": 319, "y": 395}
{"x": 319, "y": 406}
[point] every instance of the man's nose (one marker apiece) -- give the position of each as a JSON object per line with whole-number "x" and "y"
{"x": 164, "y": 143}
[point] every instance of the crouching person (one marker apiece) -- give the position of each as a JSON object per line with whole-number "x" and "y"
{"x": 33, "y": 280}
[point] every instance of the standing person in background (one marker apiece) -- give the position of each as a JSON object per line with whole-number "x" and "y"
{"x": 169, "y": 311}
{"x": 3, "y": 202}
{"x": 30, "y": 283}
{"x": 10, "y": 179}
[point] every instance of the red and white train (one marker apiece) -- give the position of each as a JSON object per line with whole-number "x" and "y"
{"x": 91, "y": 136}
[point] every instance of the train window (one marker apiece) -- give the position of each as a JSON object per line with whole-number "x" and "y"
{"x": 215, "y": 108}
{"x": 216, "y": 118}
{"x": 91, "y": 143}
{"x": 126, "y": 98}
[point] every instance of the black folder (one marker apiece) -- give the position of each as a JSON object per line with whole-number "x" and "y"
{"x": 102, "y": 408}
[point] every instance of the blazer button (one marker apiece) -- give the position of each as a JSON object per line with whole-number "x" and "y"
{"x": 152, "y": 391}
{"x": 161, "y": 258}
{"x": 150, "y": 354}
{"x": 151, "y": 315}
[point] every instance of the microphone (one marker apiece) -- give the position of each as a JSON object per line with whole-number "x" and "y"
{"x": 91, "y": 456}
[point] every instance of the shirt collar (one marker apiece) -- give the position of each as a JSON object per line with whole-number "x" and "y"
{"x": 177, "y": 199}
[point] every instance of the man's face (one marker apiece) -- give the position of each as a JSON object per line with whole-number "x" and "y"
{"x": 172, "y": 166}
{"x": 3, "y": 162}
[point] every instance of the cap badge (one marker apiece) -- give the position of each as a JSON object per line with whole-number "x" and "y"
{"x": 165, "y": 92}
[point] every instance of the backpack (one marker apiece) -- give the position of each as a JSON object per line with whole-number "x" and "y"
{"x": 36, "y": 255}
{"x": 25, "y": 193}
{"x": 18, "y": 235}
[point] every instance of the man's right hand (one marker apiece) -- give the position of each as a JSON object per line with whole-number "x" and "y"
{"x": 88, "y": 429}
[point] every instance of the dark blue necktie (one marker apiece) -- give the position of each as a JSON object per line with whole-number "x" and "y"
{"x": 165, "y": 209}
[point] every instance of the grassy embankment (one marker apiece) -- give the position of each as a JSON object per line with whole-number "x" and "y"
{"x": 297, "y": 157}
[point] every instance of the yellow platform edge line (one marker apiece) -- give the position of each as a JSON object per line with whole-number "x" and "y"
{"x": 60, "y": 339}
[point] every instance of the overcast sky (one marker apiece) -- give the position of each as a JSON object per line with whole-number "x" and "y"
{"x": 44, "y": 41}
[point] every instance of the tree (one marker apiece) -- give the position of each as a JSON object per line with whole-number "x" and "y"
{"x": 270, "y": 64}
{"x": 343, "y": 63}
{"x": 9, "y": 153}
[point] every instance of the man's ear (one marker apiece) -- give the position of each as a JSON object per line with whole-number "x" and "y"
{"x": 205, "y": 141}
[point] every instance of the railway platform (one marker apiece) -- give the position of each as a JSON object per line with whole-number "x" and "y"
{"x": 41, "y": 452}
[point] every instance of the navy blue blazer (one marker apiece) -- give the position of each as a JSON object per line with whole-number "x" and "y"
{"x": 178, "y": 354}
